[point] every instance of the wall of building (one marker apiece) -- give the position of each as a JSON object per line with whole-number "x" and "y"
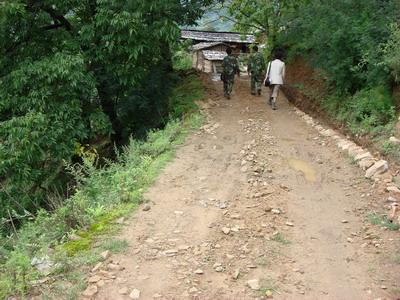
{"x": 208, "y": 66}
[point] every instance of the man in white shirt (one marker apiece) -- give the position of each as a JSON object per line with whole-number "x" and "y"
{"x": 276, "y": 74}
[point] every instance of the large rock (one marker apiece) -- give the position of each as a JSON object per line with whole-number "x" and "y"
{"x": 105, "y": 254}
{"x": 394, "y": 140}
{"x": 378, "y": 168}
{"x": 43, "y": 264}
{"x": 123, "y": 291}
{"x": 393, "y": 189}
{"x": 135, "y": 294}
{"x": 254, "y": 284}
{"x": 366, "y": 163}
{"x": 94, "y": 279}
{"x": 328, "y": 132}
{"x": 341, "y": 143}
{"x": 90, "y": 291}
{"x": 345, "y": 145}
{"x": 363, "y": 155}
{"x": 355, "y": 150}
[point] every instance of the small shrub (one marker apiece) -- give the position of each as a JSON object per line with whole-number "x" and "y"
{"x": 280, "y": 239}
{"x": 383, "y": 221}
{"x": 182, "y": 61}
{"x": 16, "y": 274}
{"x": 369, "y": 111}
{"x": 182, "y": 100}
{"x": 391, "y": 150}
{"x": 392, "y": 52}
{"x": 269, "y": 287}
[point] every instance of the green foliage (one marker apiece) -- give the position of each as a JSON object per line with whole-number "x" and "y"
{"x": 263, "y": 18}
{"x": 116, "y": 246}
{"x": 392, "y": 52}
{"x": 75, "y": 73}
{"x": 369, "y": 111}
{"x": 344, "y": 39}
{"x": 353, "y": 46}
{"x": 102, "y": 196}
{"x": 182, "y": 58}
{"x": 74, "y": 247}
{"x": 16, "y": 274}
{"x": 182, "y": 61}
{"x": 182, "y": 100}
{"x": 42, "y": 121}
{"x": 383, "y": 221}
{"x": 279, "y": 237}
{"x": 389, "y": 149}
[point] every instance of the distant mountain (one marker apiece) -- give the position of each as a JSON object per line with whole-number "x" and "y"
{"x": 212, "y": 21}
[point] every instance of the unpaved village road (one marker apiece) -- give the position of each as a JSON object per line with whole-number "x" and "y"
{"x": 257, "y": 205}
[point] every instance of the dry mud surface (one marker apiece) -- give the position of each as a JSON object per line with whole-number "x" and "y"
{"x": 257, "y": 205}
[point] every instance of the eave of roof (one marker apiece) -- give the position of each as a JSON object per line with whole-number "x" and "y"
{"x": 205, "y": 45}
{"x": 212, "y": 36}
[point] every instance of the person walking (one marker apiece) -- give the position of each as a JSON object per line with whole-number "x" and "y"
{"x": 275, "y": 75}
{"x": 256, "y": 68}
{"x": 230, "y": 67}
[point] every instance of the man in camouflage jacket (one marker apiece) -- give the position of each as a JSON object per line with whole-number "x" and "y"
{"x": 256, "y": 68}
{"x": 230, "y": 66}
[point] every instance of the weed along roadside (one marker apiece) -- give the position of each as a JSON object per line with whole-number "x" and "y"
{"x": 251, "y": 210}
{"x": 50, "y": 255}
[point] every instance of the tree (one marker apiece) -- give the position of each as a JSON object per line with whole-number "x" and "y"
{"x": 74, "y": 70}
{"x": 263, "y": 18}
{"x": 392, "y": 52}
{"x": 344, "y": 39}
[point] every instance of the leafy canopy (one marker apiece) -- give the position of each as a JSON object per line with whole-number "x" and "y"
{"x": 75, "y": 72}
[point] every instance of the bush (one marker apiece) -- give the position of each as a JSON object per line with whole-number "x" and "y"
{"x": 392, "y": 52}
{"x": 182, "y": 61}
{"x": 369, "y": 111}
{"x": 344, "y": 39}
{"x": 182, "y": 100}
{"x": 73, "y": 73}
{"x": 42, "y": 101}
{"x": 102, "y": 195}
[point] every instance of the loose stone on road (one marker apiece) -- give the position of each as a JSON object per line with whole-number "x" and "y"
{"x": 256, "y": 204}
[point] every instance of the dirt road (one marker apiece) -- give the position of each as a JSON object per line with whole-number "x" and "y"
{"x": 255, "y": 205}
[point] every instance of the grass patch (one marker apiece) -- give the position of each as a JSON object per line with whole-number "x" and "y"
{"x": 74, "y": 247}
{"x": 383, "y": 221}
{"x": 115, "y": 246}
{"x": 182, "y": 60}
{"x": 69, "y": 289}
{"x": 280, "y": 239}
{"x": 101, "y": 197}
{"x": 390, "y": 149}
{"x": 268, "y": 287}
{"x": 184, "y": 97}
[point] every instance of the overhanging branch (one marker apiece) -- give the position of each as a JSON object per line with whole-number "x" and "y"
{"x": 58, "y": 17}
